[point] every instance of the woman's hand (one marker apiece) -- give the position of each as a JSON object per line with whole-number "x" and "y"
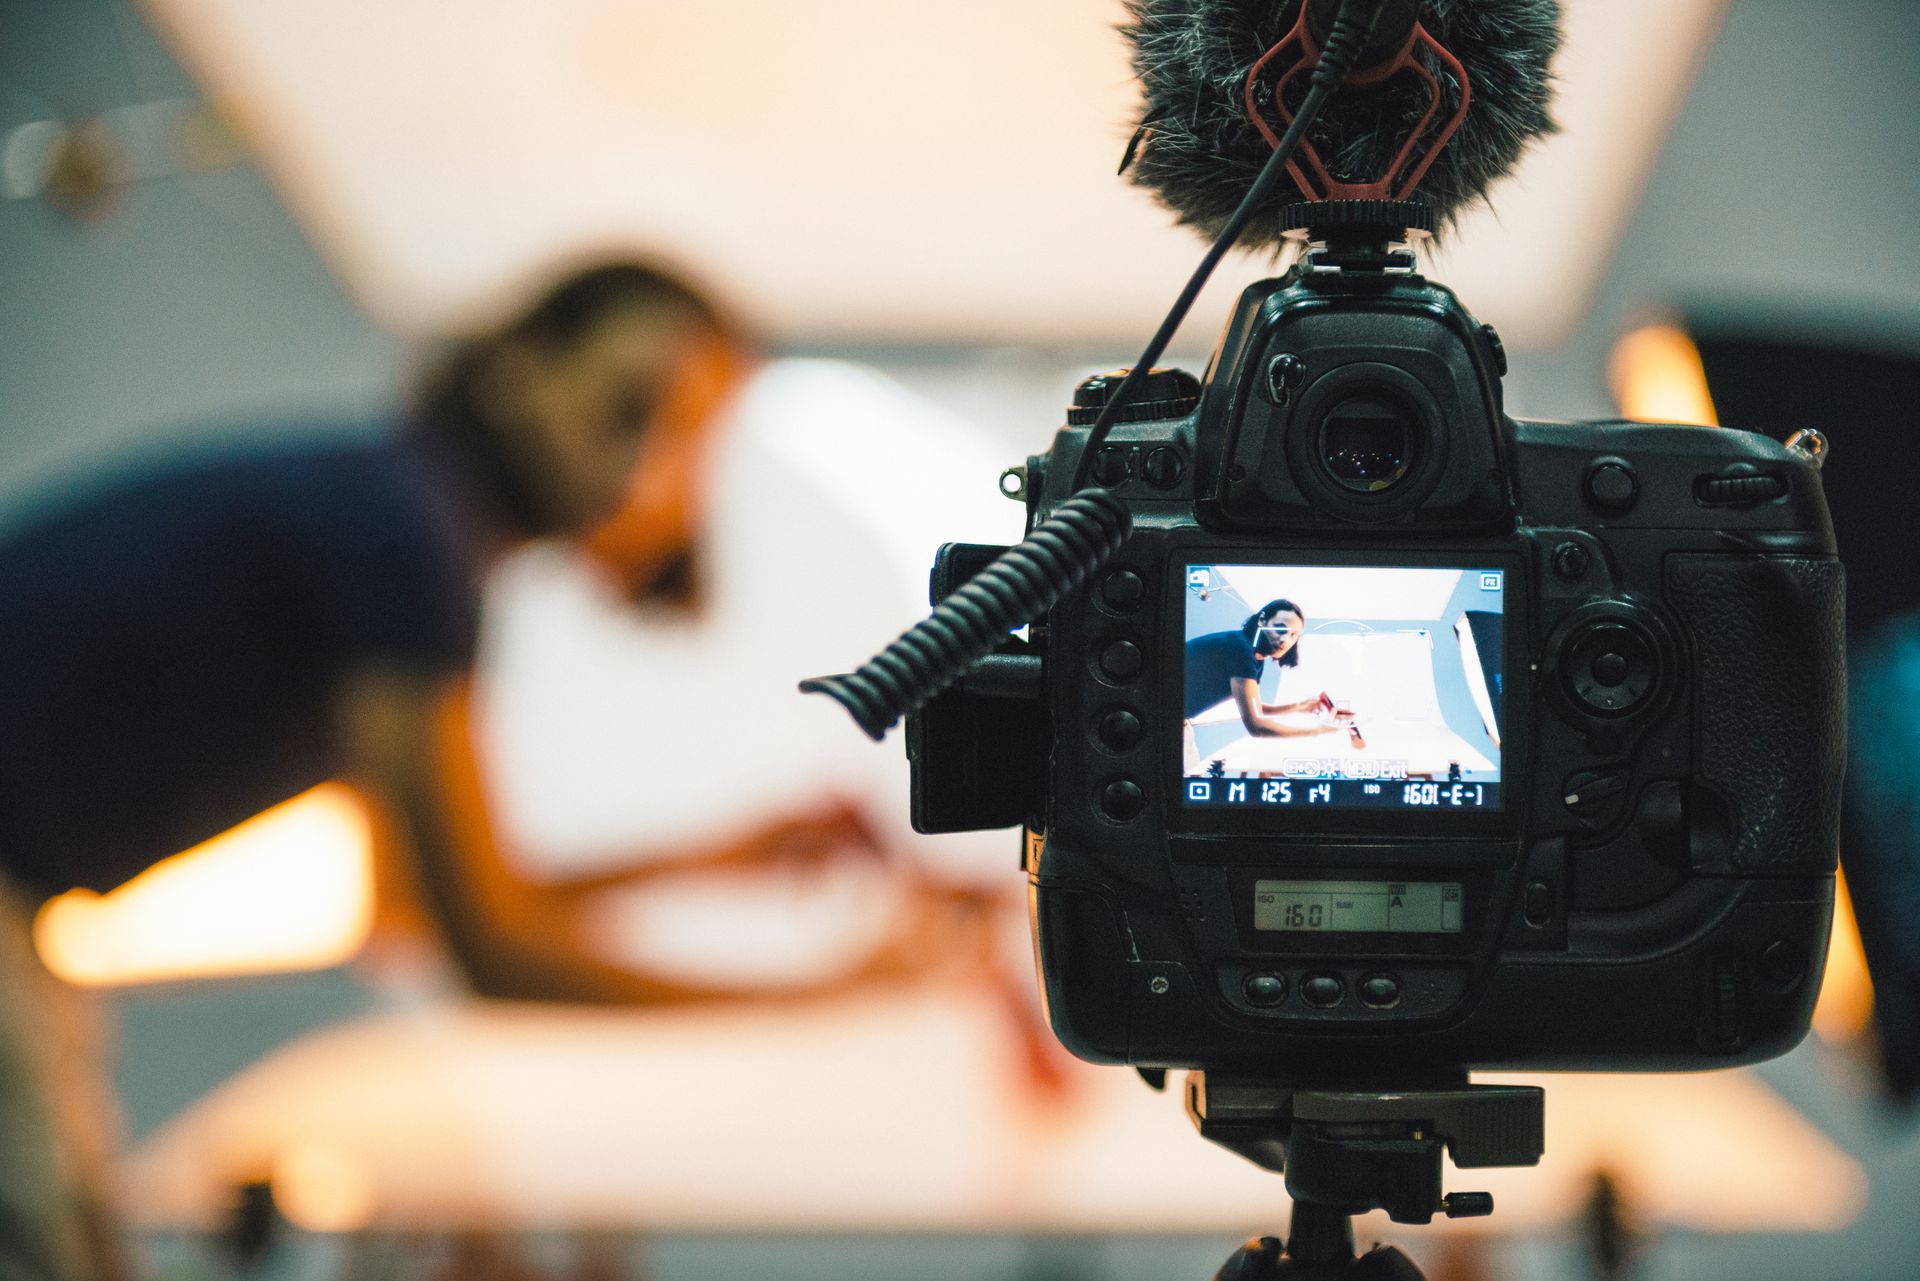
{"x": 1321, "y": 702}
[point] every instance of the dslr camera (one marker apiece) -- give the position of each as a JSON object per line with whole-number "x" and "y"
{"x": 1399, "y": 737}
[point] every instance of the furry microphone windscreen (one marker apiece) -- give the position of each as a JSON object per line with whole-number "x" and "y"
{"x": 1200, "y": 152}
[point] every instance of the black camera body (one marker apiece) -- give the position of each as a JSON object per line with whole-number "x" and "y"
{"x": 1575, "y": 804}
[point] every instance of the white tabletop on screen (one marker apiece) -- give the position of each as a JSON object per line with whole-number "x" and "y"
{"x": 1427, "y": 751}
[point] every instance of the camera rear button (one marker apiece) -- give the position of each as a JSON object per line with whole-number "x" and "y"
{"x": 1322, "y": 991}
{"x": 1123, "y": 800}
{"x": 1612, "y": 487}
{"x": 1120, "y": 731}
{"x": 1612, "y": 670}
{"x": 1380, "y": 992}
{"x": 1165, "y": 467}
{"x": 1571, "y": 561}
{"x": 1122, "y": 660}
{"x": 1123, "y": 590}
{"x": 1112, "y": 466}
{"x": 1286, "y": 375}
{"x": 1539, "y": 905}
{"x": 1265, "y": 990}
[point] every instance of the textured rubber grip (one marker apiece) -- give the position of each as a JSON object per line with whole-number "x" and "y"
{"x": 1017, "y": 589}
{"x": 1769, "y": 705}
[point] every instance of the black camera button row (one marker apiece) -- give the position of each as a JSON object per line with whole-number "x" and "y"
{"x": 1321, "y": 991}
{"x": 1163, "y": 468}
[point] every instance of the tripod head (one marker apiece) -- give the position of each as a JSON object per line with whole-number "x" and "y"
{"x": 1348, "y": 1152}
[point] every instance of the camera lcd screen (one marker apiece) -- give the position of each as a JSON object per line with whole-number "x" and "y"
{"x": 1343, "y": 687}
{"x": 1357, "y": 907}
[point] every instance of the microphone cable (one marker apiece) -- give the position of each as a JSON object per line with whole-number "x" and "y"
{"x": 1084, "y": 532}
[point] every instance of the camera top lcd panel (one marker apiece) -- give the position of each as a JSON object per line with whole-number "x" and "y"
{"x": 1401, "y": 737}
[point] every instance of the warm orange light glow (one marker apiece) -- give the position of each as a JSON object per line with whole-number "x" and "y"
{"x": 1657, "y": 377}
{"x": 322, "y": 1188}
{"x": 1846, "y": 997}
{"x": 290, "y": 889}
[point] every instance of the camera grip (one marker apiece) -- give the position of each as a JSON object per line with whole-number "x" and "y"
{"x": 1769, "y": 707}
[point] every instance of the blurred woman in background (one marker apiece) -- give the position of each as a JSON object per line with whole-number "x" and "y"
{"x": 193, "y": 643}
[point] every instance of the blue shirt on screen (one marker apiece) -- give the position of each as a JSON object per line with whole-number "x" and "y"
{"x": 1214, "y": 662}
{"x": 170, "y": 643}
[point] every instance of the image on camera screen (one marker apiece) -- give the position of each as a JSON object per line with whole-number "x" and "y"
{"x": 1342, "y": 687}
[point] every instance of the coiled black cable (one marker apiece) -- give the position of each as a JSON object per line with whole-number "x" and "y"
{"x": 1022, "y": 585}
{"x": 1085, "y": 531}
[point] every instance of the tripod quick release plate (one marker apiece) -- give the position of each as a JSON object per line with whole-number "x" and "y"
{"x": 1354, "y": 1151}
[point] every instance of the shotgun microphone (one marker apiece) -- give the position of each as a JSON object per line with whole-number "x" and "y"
{"x": 1446, "y": 97}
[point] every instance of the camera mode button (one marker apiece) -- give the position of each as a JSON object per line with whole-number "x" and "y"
{"x": 1322, "y": 991}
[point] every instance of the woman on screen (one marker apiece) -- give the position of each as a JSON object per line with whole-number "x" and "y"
{"x": 1228, "y": 665}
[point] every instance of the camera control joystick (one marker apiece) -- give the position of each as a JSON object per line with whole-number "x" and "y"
{"x": 1611, "y": 668}
{"x": 1613, "y": 661}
